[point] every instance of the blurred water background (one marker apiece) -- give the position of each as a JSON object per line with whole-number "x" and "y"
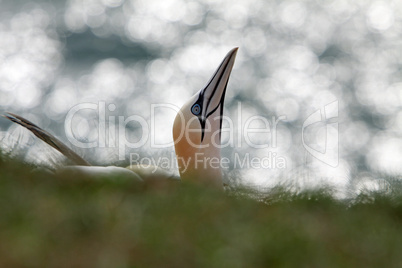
{"x": 295, "y": 59}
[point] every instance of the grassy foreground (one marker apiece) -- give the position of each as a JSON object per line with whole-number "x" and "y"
{"x": 49, "y": 221}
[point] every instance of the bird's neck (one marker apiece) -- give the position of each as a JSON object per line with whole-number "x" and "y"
{"x": 201, "y": 163}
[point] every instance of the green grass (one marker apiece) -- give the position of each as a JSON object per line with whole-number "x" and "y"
{"x": 53, "y": 221}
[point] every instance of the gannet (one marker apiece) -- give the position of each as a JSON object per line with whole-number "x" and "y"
{"x": 196, "y": 134}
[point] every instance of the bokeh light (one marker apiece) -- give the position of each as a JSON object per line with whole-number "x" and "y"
{"x": 295, "y": 58}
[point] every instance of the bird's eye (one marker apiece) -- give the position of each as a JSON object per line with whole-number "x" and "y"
{"x": 196, "y": 109}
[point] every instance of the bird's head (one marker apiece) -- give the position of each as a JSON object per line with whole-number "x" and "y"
{"x": 197, "y": 128}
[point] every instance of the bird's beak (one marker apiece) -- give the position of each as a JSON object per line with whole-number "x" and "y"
{"x": 213, "y": 94}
